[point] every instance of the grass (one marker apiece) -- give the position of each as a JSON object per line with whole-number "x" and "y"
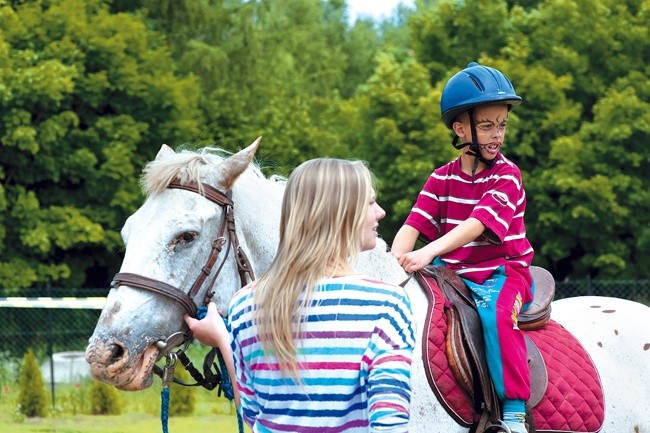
{"x": 141, "y": 413}
{"x": 71, "y": 412}
{"x": 125, "y": 423}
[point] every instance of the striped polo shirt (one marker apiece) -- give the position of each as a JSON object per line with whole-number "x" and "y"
{"x": 496, "y": 197}
{"x": 354, "y": 361}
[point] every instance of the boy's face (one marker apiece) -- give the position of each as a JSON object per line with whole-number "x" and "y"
{"x": 490, "y": 122}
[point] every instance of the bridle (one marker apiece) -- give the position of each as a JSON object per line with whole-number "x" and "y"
{"x": 227, "y": 234}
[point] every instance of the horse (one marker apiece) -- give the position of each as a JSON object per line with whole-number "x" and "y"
{"x": 189, "y": 197}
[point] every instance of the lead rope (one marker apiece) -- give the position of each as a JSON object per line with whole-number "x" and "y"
{"x": 167, "y": 378}
{"x": 225, "y": 385}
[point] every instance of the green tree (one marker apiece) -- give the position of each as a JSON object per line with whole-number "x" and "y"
{"x": 580, "y": 67}
{"x": 90, "y": 89}
{"x": 182, "y": 399}
{"x": 585, "y": 124}
{"x": 392, "y": 122}
{"x": 32, "y": 398}
{"x": 86, "y": 98}
{"x": 596, "y": 189}
{"x": 277, "y": 69}
{"x": 104, "y": 399}
{"x": 449, "y": 34}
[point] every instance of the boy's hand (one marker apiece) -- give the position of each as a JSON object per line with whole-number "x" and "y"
{"x": 415, "y": 260}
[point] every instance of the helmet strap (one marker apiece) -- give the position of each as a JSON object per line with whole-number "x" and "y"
{"x": 456, "y": 145}
{"x": 474, "y": 148}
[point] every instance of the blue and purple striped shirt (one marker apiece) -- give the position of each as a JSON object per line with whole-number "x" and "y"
{"x": 354, "y": 361}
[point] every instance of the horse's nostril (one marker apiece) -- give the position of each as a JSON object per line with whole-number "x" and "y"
{"x": 117, "y": 351}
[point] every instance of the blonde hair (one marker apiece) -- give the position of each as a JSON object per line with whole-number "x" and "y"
{"x": 323, "y": 210}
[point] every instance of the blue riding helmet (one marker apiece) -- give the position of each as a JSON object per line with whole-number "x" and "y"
{"x": 473, "y": 86}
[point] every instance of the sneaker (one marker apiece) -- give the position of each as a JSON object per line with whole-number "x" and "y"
{"x": 516, "y": 422}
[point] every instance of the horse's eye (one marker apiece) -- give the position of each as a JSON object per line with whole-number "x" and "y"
{"x": 183, "y": 239}
{"x": 187, "y": 237}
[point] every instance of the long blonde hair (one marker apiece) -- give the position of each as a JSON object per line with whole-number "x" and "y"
{"x": 323, "y": 209}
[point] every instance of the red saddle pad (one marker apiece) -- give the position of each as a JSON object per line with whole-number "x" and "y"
{"x": 574, "y": 398}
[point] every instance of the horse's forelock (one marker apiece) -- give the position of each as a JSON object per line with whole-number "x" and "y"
{"x": 186, "y": 166}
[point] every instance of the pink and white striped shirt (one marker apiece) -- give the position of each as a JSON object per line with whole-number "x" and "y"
{"x": 496, "y": 197}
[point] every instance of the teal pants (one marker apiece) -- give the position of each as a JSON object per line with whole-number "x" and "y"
{"x": 499, "y": 300}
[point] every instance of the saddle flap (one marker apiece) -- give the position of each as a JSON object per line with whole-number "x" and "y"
{"x": 464, "y": 341}
{"x": 538, "y": 373}
{"x": 466, "y": 347}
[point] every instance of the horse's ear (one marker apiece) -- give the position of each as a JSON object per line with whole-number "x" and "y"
{"x": 164, "y": 151}
{"x": 249, "y": 152}
{"x": 237, "y": 163}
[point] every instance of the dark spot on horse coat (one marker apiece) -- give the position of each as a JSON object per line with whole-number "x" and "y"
{"x": 646, "y": 346}
{"x": 615, "y": 331}
{"x": 595, "y": 306}
{"x": 600, "y": 344}
{"x": 115, "y": 308}
{"x": 609, "y": 311}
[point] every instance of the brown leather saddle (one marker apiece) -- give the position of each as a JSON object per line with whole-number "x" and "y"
{"x": 465, "y": 348}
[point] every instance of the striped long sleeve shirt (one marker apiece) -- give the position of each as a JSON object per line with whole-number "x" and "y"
{"x": 354, "y": 361}
{"x": 495, "y": 197}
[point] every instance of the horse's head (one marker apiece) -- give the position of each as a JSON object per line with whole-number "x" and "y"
{"x": 181, "y": 245}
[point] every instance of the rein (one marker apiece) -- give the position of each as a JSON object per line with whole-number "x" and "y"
{"x": 227, "y": 233}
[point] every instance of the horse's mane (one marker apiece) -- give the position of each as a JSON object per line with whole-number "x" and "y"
{"x": 186, "y": 166}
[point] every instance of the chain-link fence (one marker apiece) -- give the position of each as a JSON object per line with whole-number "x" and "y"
{"x": 62, "y": 330}
{"x": 634, "y": 290}
{"x": 48, "y": 331}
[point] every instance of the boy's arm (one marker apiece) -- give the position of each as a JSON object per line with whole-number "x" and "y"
{"x": 404, "y": 240}
{"x": 462, "y": 234}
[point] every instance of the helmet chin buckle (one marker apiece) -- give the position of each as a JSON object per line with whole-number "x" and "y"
{"x": 475, "y": 151}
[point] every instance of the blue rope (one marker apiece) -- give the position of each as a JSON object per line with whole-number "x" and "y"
{"x": 225, "y": 385}
{"x": 164, "y": 394}
{"x": 240, "y": 421}
{"x": 164, "y": 408}
{"x": 201, "y": 312}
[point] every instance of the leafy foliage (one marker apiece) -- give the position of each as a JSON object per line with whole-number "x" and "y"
{"x": 86, "y": 98}
{"x": 89, "y": 90}
{"x": 32, "y": 399}
{"x": 182, "y": 399}
{"x": 104, "y": 399}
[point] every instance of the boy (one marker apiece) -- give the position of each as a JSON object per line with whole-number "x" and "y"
{"x": 471, "y": 211}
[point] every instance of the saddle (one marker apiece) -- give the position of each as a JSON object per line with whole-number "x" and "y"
{"x": 465, "y": 348}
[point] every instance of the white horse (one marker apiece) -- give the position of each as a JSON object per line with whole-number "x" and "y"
{"x": 169, "y": 238}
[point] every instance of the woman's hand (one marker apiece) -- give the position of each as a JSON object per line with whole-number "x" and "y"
{"x": 211, "y": 330}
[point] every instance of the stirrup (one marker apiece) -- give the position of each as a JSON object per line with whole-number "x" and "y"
{"x": 503, "y": 427}
{"x": 498, "y": 427}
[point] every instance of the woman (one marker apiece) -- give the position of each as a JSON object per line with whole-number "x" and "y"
{"x": 316, "y": 346}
